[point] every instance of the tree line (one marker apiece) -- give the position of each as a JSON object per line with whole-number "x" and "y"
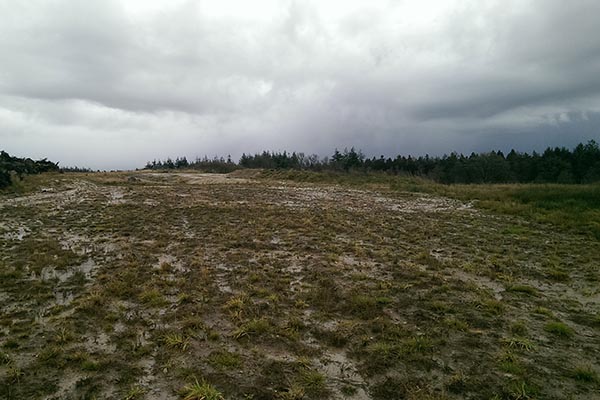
{"x": 214, "y": 165}
{"x": 554, "y": 165}
{"x": 11, "y": 167}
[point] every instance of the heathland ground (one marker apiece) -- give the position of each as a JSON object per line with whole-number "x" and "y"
{"x": 290, "y": 285}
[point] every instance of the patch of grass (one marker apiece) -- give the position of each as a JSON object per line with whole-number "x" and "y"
{"x": 184, "y": 298}
{"x": 294, "y": 392}
{"x": 389, "y": 389}
{"x": 363, "y": 306}
{"x": 4, "y": 358}
{"x": 558, "y": 275}
{"x": 335, "y": 338}
{"x": 519, "y": 343}
{"x": 254, "y": 327}
{"x": 51, "y": 356}
{"x": 14, "y": 374}
{"x": 512, "y": 366}
{"x": 525, "y": 289}
{"x": 135, "y": 393}
{"x": 559, "y": 329}
{"x": 456, "y": 324}
{"x": 457, "y": 382}
{"x": 11, "y": 344}
{"x": 348, "y": 390}
{"x": 63, "y": 336}
{"x": 238, "y": 305}
{"x": 325, "y": 295}
{"x": 295, "y": 325}
{"x": 544, "y": 311}
{"x": 90, "y": 365}
{"x": 152, "y": 297}
{"x": 568, "y": 207}
{"x": 417, "y": 344}
{"x": 201, "y": 391}
{"x": 313, "y": 383}
{"x": 383, "y": 354}
{"x": 176, "y": 341}
{"x": 516, "y": 230}
{"x": 585, "y": 373}
{"x": 440, "y": 307}
{"x": 224, "y": 360}
{"x": 519, "y": 328}
{"x": 522, "y": 390}
{"x": 492, "y": 306}
{"x": 425, "y": 258}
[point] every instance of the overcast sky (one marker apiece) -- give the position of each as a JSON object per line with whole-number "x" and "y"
{"x": 111, "y": 84}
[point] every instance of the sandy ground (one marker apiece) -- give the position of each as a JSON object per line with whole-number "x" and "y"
{"x": 133, "y": 285}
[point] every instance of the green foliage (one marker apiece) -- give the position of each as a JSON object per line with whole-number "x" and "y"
{"x": 509, "y": 363}
{"x": 522, "y": 391}
{"x": 176, "y": 341}
{"x": 136, "y": 392}
{"x": 519, "y": 343}
{"x": 570, "y": 207}
{"x": 152, "y": 297}
{"x": 559, "y": 329}
{"x": 4, "y": 359}
{"x": 558, "y": 165}
{"x": 585, "y": 373}
{"x": 254, "y": 327}
{"x": 20, "y": 167}
{"x": 14, "y": 374}
{"x": 313, "y": 382}
{"x": 215, "y": 165}
{"x": 522, "y": 289}
{"x": 201, "y": 391}
{"x": 224, "y": 360}
{"x": 519, "y": 328}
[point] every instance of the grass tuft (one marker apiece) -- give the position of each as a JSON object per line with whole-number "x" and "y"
{"x": 176, "y": 341}
{"x": 585, "y": 373}
{"x": 559, "y": 329}
{"x": 201, "y": 391}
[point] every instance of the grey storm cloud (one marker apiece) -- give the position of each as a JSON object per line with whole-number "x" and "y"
{"x": 112, "y": 84}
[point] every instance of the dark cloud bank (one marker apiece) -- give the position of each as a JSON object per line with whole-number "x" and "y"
{"x": 110, "y": 84}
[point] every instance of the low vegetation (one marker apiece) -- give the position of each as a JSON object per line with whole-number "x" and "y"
{"x": 554, "y": 165}
{"x": 15, "y": 167}
{"x": 290, "y": 284}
